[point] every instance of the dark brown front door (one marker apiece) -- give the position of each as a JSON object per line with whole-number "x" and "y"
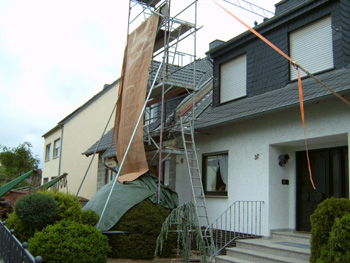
{"x": 330, "y": 174}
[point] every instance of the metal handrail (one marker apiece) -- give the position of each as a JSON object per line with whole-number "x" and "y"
{"x": 242, "y": 219}
{"x": 11, "y": 250}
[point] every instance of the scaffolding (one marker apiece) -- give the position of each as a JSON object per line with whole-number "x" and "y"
{"x": 174, "y": 56}
{"x": 172, "y": 76}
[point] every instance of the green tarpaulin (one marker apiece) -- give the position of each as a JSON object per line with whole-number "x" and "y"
{"x": 127, "y": 195}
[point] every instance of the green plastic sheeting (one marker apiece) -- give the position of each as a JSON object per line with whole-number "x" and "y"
{"x": 8, "y": 187}
{"x": 127, "y": 195}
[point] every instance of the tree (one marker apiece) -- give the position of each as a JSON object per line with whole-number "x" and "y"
{"x": 15, "y": 161}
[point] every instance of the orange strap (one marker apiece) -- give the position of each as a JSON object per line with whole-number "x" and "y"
{"x": 258, "y": 34}
{"x": 299, "y": 80}
{"x": 301, "y": 97}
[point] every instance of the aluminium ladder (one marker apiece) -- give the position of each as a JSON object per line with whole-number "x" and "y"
{"x": 187, "y": 131}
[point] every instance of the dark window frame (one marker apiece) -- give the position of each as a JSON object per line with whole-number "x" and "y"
{"x": 204, "y": 174}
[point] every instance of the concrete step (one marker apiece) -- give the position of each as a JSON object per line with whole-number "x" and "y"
{"x": 227, "y": 259}
{"x": 259, "y": 257}
{"x": 291, "y": 236}
{"x": 278, "y": 247}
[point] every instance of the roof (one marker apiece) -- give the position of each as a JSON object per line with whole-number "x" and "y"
{"x": 105, "y": 143}
{"x": 286, "y": 97}
{"x": 57, "y": 127}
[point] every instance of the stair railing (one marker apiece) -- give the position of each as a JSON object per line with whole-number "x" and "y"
{"x": 241, "y": 220}
{"x": 11, "y": 250}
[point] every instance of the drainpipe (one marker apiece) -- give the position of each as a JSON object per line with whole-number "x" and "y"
{"x": 60, "y": 160}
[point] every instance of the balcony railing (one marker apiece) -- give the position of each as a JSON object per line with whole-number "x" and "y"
{"x": 11, "y": 250}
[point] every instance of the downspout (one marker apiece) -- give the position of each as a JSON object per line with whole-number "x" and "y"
{"x": 60, "y": 160}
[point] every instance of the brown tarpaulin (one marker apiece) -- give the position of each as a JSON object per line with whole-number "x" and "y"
{"x": 133, "y": 87}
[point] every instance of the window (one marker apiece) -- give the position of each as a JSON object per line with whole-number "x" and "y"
{"x": 46, "y": 180}
{"x": 312, "y": 47}
{"x": 233, "y": 79}
{"x": 56, "y": 150}
{"x": 215, "y": 173}
{"x": 109, "y": 175}
{"x": 47, "y": 152}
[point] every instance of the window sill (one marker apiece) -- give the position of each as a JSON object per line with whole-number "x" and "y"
{"x": 217, "y": 196}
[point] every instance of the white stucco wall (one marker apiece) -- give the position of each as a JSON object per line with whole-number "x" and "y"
{"x": 327, "y": 125}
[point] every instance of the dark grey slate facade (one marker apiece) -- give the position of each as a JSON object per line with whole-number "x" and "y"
{"x": 266, "y": 69}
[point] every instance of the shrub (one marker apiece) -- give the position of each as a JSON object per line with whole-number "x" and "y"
{"x": 69, "y": 241}
{"x": 338, "y": 247}
{"x": 22, "y": 231}
{"x": 89, "y": 217}
{"x": 37, "y": 210}
{"x": 322, "y": 221}
{"x": 142, "y": 223}
{"x": 68, "y": 208}
{"x": 68, "y": 205}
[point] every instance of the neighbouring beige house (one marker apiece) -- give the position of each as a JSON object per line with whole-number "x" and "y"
{"x": 65, "y": 143}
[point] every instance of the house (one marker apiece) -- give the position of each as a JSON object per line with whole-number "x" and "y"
{"x": 65, "y": 142}
{"x": 249, "y": 133}
{"x": 252, "y": 135}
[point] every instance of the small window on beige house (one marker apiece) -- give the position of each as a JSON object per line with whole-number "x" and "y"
{"x": 56, "y": 150}
{"x": 47, "y": 152}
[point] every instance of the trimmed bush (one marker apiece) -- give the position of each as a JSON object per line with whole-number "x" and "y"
{"x": 69, "y": 241}
{"x": 89, "y": 217}
{"x": 37, "y": 210}
{"x": 22, "y": 231}
{"x": 68, "y": 205}
{"x": 68, "y": 208}
{"x": 338, "y": 247}
{"x": 322, "y": 221}
{"x": 142, "y": 223}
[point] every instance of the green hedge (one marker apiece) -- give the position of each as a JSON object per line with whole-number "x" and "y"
{"x": 142, "y": 223}
{"x": 338, "y": 248}
{"x": 322, "y": 221}
{"x": 70, "y": 241}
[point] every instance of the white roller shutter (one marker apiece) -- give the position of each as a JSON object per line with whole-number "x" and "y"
{"x": 312, "y": 47}
{"x": 233, "y": 79}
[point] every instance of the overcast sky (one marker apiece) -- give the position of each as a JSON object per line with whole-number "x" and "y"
{"x": 55, "y": 55}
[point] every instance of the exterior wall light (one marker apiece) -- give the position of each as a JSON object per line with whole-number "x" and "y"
{"x": 283, "y": 159}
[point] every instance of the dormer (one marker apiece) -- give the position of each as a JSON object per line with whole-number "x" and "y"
{"x": 316, "y": 34}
